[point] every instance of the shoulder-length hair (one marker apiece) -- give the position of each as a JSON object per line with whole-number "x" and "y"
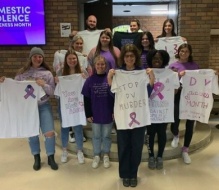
{"x": 165, "y": 57}
{"x": 130, "y": 48}
{"x": 190, "y": 58}
{"x": 111, "y": 48}
{"x": 66, "y": 68}
{"x": 29, "y": 64}
{"x": 74, "y": 39}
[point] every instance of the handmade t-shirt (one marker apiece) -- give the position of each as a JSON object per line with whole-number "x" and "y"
{"x": 122, "y": 38}
{"x": 131, "y": 109}
{"x": 161, "y": 101}
{"x": 19, "y": 113}
{"x": 71, "y": 100}
{"x": 90, "y": 39}
{"x": 196, "y": 100}
{"x": 97, "y": 89}
{"x": 171, "y": 45}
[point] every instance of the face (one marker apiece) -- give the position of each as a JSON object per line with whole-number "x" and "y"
{"x": 134, "y": 27}
{"x": 91, "y": 23}
{"x": 78, "y": 45}
{"x": 157, "y": 61}
{"x": 168, "y": 27}
{"x": 72, "y": 60}
{"x": 100, "y": 66}
{"x": 184, "y": 53}
{"x": 36, "y": 60}
{"x": 129, "y": 59}
{"x": 145, "y": 42}
{"x": 104, "y": 40}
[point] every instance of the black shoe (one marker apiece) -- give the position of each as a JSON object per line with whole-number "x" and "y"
{"x": 126, "y": 182}
{"x": 133, "y": 182}
{"x": 37, "y": 162}
{"x": 52, "y": 162}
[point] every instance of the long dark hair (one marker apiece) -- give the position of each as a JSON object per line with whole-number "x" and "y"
{"x": 173, "y": 28}
{"x": 150, "y": 39}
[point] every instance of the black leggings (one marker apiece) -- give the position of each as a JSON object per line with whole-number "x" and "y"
{"x": 160, "y": 129}
{"x": 175, "y": 125}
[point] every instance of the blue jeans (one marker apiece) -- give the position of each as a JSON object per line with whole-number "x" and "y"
{"x": 46, "y": 125}
{"x": 101, "y": 136}
{"x": 78, "y": 130}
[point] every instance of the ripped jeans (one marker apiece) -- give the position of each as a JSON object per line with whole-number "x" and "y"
{"x": 46, "y": 125}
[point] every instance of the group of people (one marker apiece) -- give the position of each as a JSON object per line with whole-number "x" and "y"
{"x": 101, "y": 70}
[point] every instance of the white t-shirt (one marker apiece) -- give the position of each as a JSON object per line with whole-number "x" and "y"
{"x": 131, "y": 109}
{"x": 59, "y": 58}
{"x": 19, "y": 116}
{"x": 196, "y": 99}
{"x": 90, "y": 39}
{"x": 171, "y": 45}
{"x": 72, "y": 102}
{"x": 161, "y": 101}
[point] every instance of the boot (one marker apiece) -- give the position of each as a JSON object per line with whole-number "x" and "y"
{"x": 52, "y": 163}
{"x": 37, "y": 162}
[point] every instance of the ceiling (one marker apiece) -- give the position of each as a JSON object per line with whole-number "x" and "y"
{"x": 142, "y": 7}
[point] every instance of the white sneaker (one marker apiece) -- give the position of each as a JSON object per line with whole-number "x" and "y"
{"x": 113, "y": 131}
{"x": 64, "y": 156}
{"x": 80, "y": 156}
{"x": 175, "y": 142}
{"x": 106, "y": 161}
{"x": 71, "y": 137}
{"x": 84, "y": 139}
{"x": 96, "y": 162}
{"x": 186, "y": 158}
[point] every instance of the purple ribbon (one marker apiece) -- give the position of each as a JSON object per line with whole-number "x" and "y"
{"x": 29, "y": 90}
{"x": 133, "y": 116}
{"x": 158, "y": 88}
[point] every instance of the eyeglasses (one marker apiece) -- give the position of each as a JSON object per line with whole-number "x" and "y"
{"x": 130, "y": 55}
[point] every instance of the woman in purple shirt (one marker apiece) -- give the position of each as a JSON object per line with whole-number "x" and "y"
{"x": 185, "y": 62}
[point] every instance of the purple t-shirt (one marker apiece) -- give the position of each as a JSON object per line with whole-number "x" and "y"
{"x": 102, "y": 102}
{"x": 144, "y": 64}
{"x": 178, "y": 66}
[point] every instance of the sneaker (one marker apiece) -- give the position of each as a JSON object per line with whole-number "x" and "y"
{"x": 186, "y": 158}
{"x": 175, "y": 142}
{"x": 151, "y": 163}
{"x": 159, "y": 164}
{"x": 113, "y": 131}
{"x": 84, "y": 139}
{"x": 71, "y": 137}
{"x": 80, "y": 156}
{"x": 106, "y": 162}
{"x": 96, "y": 162}
{"x": 64, "y": 156}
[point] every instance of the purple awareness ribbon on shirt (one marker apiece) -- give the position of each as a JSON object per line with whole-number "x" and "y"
{"x": 133, "y": 116}
{"x": 158, "y": 88}
{"x": 29, "y": 90}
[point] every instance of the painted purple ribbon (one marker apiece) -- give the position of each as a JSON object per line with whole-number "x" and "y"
{"x": 133, "y": 116}
{"x": 158, "y": 88}
{"x": 29, "y": 90}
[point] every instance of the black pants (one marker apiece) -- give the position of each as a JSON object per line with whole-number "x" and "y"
{"x": 175, "y": 125}
{"x": 160, "y": 130}
{"x": 130, "y": 144}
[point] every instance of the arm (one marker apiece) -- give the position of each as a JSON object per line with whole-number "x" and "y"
{"x": 110, "y": 76}
{"x": 88, "y": 109}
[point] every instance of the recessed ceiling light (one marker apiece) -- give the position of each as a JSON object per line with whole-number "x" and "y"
{"x": 126, "y": 11}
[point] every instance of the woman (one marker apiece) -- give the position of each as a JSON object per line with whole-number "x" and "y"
{"x": 71, "y": 66}
{"x": 106, "y": 49}
{"x": 135, "y": 25}
{"x": 185, "y": 62}
{"x": 130, "y": 137}
{"x": 168, "y": 81}
{"x": 147, "y": 43}
{"x": 36, "y": 69}
{"x": 98, "y": 101}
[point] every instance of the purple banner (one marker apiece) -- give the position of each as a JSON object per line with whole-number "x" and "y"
{"x": 22, "y": 22}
